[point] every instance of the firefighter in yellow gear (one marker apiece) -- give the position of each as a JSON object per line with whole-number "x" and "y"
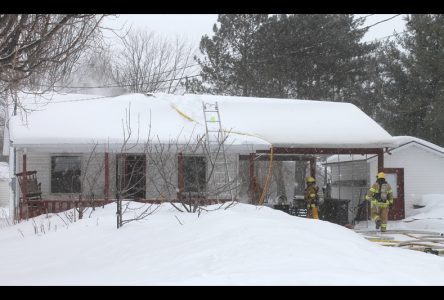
{"x": 311, "y": 198}
{"x": 380, "y": 196}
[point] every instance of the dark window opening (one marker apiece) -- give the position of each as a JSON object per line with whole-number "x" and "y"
{"x": 131, "y": 176}
{"x": 65, "y": 174}
{"x": 194, "y": 174}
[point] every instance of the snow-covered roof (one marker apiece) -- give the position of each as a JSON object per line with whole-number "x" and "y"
{"x": 82, "y": 119}
{"x": 402, "y": 141}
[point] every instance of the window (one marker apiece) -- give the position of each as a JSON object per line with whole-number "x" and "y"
{"x": 65, "y": 174}
{"x": 392, "y": 180}
{"x": 194, "y": 171}
{"x": 131, "y": 175}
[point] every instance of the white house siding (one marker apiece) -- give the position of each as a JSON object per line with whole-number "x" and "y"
{"x": 233, "y": 171}
{"x": 94, "y": 168}
{"x": 4, "y": 192}
{"x": 156, "y": 187}
{"x": 93, "y": 174}
{"x": 423, "y": 172}
{"x": 95, "y": 178}
{"x": 40, "y": 162}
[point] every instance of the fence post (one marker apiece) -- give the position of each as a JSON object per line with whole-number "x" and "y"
{"x": 180, "y": 176}
{"x": 251, "y": 178}
{"x": 106, "y": 176}
{"x": 25, "y": 180}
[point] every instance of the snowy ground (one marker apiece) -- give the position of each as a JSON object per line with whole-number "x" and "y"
{"x": 429, "y": 218}
{"x": 243, "y": 245}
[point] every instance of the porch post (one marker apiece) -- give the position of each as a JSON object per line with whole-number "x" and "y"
{"x": 25, "y": 179}
{"x": 251, "y": 177}
{"x": 180, "y": 179}
{"x": 313, "y": 167}
{"x": 24, "y": 187}
{"x": 106, "y": 176}
{"x": 380, "y": 160}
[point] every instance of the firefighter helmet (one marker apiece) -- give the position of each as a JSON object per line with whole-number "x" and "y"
{"x": 381, "y": 175}
{"x": 310, "y": 179}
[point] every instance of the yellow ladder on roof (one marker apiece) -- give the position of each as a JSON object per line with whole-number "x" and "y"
{"x": 215, "y": 142}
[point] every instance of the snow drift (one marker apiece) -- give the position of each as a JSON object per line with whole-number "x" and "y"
{"x": 243, "y": 245}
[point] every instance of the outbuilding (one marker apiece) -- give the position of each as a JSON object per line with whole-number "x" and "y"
{"x": 413, "y": 168}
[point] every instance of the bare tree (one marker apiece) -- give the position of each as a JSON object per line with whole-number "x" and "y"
{"x": 157, "y": 164}
{"x": 93, "y": 73}
{"x": 37, "y": 50}
{"x": 149, "y": 63}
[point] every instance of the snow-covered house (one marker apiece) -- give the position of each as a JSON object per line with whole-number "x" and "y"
{"x": 75, "y": 142}
{"x": 413, "y": 168}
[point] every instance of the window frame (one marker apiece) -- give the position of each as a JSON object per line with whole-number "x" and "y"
{"x": 202, "y": 184}
{"x": 51, "y": 188}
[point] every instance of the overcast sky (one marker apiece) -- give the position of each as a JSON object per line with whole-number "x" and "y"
{"x": 194, "y": 26}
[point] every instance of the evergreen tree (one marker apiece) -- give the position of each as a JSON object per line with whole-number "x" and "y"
{"x": 227, "y": 63}
{"x": 413, "y": 80}
{"x": 304, "y": 56}
{"x": 317, "y": 57}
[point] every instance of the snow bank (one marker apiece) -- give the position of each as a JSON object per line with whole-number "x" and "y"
{"x": 433, "y": 207}
{"x": 431, "y": 201}
{"x": 428, "y": 218}
{"x": 243, "y": 245}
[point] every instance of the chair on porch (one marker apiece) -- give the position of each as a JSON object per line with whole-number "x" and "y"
{"x": 33, "y": 187}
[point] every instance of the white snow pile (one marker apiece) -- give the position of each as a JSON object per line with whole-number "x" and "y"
{"x": 432, "y": 210}
{"x": 431, "y": 201}
{"x": 243, "y": 245}
{"x": 428, "y": 218}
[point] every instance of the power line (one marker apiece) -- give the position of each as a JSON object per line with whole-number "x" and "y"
{"x": 105, "y": 86}
{"x": 251, "y": 62}
{"x": 100, "y": 97}
{"x": 124, "y": 85}
{"x": 193, "y": 65}
{"x": 80, "y": 99}
{"x": 323, "y": 42}
{"x": 379, "y": 22}
{"x": 356, "y": 30}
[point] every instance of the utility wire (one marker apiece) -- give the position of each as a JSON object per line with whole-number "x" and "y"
{"x": 197, "y": 75}
{"x": 105, "y": 86}
{"x": 124, "y": 85}
{"x": 329, "y": 40}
